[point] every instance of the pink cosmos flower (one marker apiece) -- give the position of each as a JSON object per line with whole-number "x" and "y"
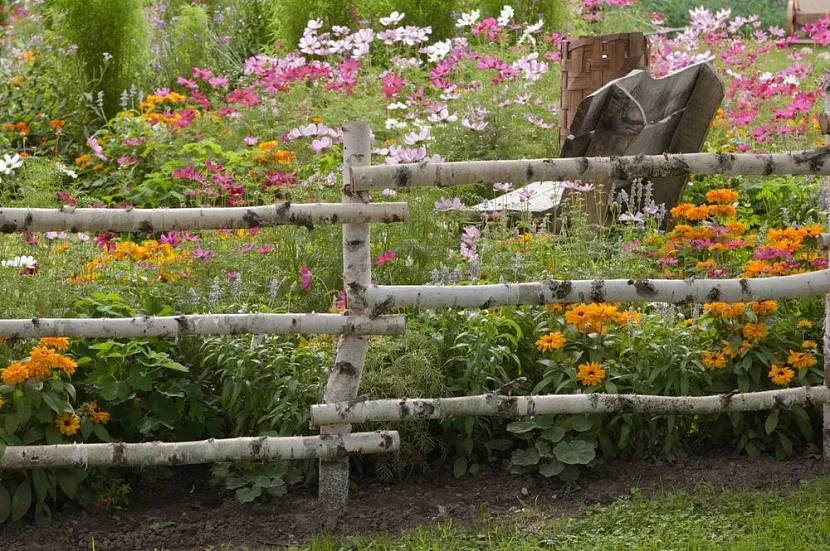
{"x": 305, "y": 278}
{"x": 202, "y": 254}
{"x": 385, "y": 258}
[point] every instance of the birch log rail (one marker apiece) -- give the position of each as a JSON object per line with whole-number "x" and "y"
{"x": 155, "y": 220}
{"x": 147, "y": 454}
{"x": 555, "y": 404}
{"x": 383, "y": 298}
{"x": 208, "y": 324}
{"x": 584, "y": 168}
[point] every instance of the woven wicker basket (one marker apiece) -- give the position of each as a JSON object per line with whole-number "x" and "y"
{"x": 590, "y": 62}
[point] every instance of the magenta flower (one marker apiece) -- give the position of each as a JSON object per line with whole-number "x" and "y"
{"x": 265, "y": 249}
{"x": 305, "y": 278}
{"x": 385, "y": 258}
{"x": 250, "y": 140}
{"x": 391, "y": 84}
{"x": 202, "y": 254}
{"x": 170, "y": 238}
{"x": 105, "y": 241}
{"x": 96, "y": 148}
{"x": 66, "y": 198}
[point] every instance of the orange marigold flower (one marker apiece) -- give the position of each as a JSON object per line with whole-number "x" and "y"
{"x": 267, "y": 146}
{"x": 682, "y": 210}
{"x": 721, "y": 196}
{"x": 809, "y": 345}
{"x": 58, "y": 343}
{"x": 764, "y": 307}
{"x": 15, "y": 374}
{"x": 590, "y": 373}
{"x": 714, "y": 360}
{"x": 629, "y": 316}
{"x": 57, "y": 124}
{"x": 68, "y": 423}
{"x": 283, "y": 157}
{"x": 737, "y": 310}
{"x": 721, "y": 210}
{"x": 736, "y": 228}
{"x": 708, "y": 264}
{"x": 780, "y": 375}
{"x": 100, "y": 417}
{"x": 717, "y": 309}
{"x": 551, "y": 341}
{"x": 804, "y": 324}
{"x": 754, "y": 331}
{"x": 8, "y": 127}
{"x": 698, "y": 213}
{"x": 82, "y": 161}
{"x": 801, "y": 360}
{"x": 554, "y": 307}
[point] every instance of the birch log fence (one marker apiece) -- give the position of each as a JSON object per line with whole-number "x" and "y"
{"x": 369, "y": 306}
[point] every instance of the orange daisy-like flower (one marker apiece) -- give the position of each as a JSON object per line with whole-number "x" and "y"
{"x": 68, "y": 423}
{"x": 58, "y": 343}
{"x": 15, "y": 374}
{"x": 764, "y": 307}
{"x": 96, "y": 415}
{"x": 551, "y": 341}
{"x": 714, "y": 360}
{"x": 780, "y": 375}
{"x": 809, "y": 345}
{"x": 754, "y": 331}
{"x": 590, "y": 373}
{"x": 804, "y": 324}
{"x": 554, "y": 307}
{"x": 801, "y": 360}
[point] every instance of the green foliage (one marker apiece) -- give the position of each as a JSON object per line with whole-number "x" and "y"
{"x": 770, "y": 12}
{"x": 190, "y": 40}
{"x": 103, "y": 28}
{"x": 250, "y": 481}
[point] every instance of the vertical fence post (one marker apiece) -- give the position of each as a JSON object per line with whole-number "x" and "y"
{"x": 344, "y": 378}
{"x": 825, "y": 193}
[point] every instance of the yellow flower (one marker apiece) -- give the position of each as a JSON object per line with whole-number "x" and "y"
{"x": 68, "y": 423}
{"x": 780, "y": 375}
{"x": 714, "y": 360}
{"x": 554, "y": 307}
{"x": 801, "y": 360}
{"x": 804, "y": 324}
{"x": 14, "y": 374}
{"x": 591, "y": 373}
{"x": 91, "y": 410}
{"x": 809, "y": 345}
{"x": 58, "y": 343}
{"x": 764, "y": 307}
{"x": 283, "y": 157}
{"x": 551, "y": 341}
{"x": 754, "y": 331}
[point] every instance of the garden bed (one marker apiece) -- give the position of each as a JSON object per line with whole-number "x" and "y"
{"x": 183, "y": 513}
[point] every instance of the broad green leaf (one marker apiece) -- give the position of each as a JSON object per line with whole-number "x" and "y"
{"x": 101, "y": 433}
{"x": 459, "y": 467}
{"x": 68, "y": 484}
{"x": 575, "y": 452}
{"x": 21, "y": 500}
{"x": 771, "y": 422}
{"x": 525, "y": 457}
{"x": 551, "y": 468}
{"x": 248, "y": 494}
{"x": 5, "y": 504}
{"x": 581, "y": 423}
{"x": 554, "y": 434}
{"x": 521, "y": 427}
{"x": 55, "y": 403}
{"x": 41, "y": 483}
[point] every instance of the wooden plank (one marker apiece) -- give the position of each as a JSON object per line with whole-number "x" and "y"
{"x": 621, "y": 121}
{"x": 703, "y": 103}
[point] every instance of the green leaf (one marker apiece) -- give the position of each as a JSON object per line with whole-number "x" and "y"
{"x": 52, "y": 435}
{"x": 521, "y": 427}
{"x": 68, "y": 484}
{"x": 41, "y": 483}
{"x": 551, "y": 468}
{"x": 21, "y": 500}
{"x": 101, "y": 433}
{"x": 525, "y": 457}
{"x": 575, "y": 452}
{"x": 554, "y": 434}
{"x": 581, "y": 423}
{"x": 5, "y": 504}
{"x": 86, "y": 428}
{"x": 55, "y": 403}
{"x": 140, "y": 381}
{"x": 248, "y": 494}
{"x": 771, "y": 422}
{"x": 459, "y": 467}
{"x": 543, "y": 421}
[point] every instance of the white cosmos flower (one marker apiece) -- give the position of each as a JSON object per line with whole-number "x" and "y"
{"x": 468, "y": 19}
{"x": 505, "y": 16}
{"x": 19, "y": 262}
{"x": 394, "y": 17}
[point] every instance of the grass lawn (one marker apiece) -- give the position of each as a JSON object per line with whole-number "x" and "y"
{"x": 702, "y": 519}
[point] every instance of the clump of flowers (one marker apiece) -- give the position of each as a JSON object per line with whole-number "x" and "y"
{"x": 598, "y": 317}
{"x": 44, "y": 362}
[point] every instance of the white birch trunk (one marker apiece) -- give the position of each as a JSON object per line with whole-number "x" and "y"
{"x": 148, "y": 454}
{"x": 382, "y": 298}
{"x": 155, "y": 220}
{"x": 344, "y": 380}
{"x": 208, "y": 324}
{"x": 522, "y": 406}
{"x": 589, "y": 168}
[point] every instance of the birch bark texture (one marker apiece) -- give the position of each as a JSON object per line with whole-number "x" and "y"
{"x": 496, "y": 405}
{"x": 70, "y": 219}
{"x": 344, "y": 379}
{"x": 811, "y": 161}
{"x": 146, "y": 454}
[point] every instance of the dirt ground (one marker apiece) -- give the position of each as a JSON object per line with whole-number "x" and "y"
{"x": 178, "y": 515}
